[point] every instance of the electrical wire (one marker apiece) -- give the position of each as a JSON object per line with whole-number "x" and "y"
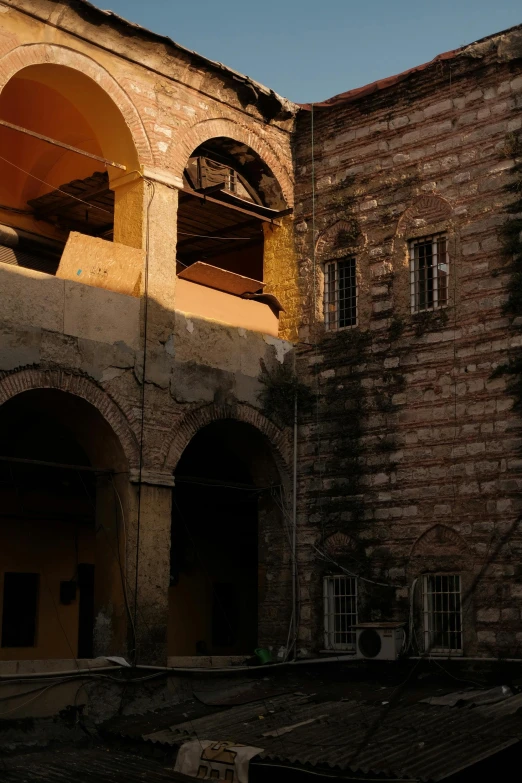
{"x": 330, "y": 559}
{"x": 206, "y": 236}
{"x": 54, "y": 189}
{"x": 123, "y": 568}
{"x": 306, "y": 771}
{"x": 152, "y": 187}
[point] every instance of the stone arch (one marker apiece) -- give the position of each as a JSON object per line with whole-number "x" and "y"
{"x": 439, "y": 540}
{"x": 328, "y": 243}
{"x": 44, "y": 54}
{"x": 195, "y": 420}
{"x": 339, "y": 544}
{"x": 30, "y": 378}
{"x": 425, "y": 212}
{"x": 193, "y": 137}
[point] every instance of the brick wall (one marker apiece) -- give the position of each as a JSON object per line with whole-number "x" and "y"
{"x": 412, "y": 450}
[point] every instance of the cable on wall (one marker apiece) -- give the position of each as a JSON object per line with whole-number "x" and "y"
{"x": 152, "y": 188}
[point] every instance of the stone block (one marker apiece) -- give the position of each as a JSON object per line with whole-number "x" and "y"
{"x": 100, "y": 315}
{"x": 488, "y": 615}
{"x": 31, "y": 299}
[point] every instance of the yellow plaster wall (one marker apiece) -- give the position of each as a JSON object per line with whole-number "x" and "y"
{"x": 280, "y": 274}
{"x": 46, "y": 548}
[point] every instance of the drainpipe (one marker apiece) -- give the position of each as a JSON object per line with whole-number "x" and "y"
{"x": 294, "y": 530}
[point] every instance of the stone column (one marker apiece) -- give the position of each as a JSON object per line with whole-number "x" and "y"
{"x": 150, "y": 605}
{"x": 160, "y": 231}
{"x": 111, "y": 574}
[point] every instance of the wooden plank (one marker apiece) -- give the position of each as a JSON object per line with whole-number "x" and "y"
{"x": 56, "y": 143}
{"x": 235, "y": 207}
{"x": 221, "y": 279}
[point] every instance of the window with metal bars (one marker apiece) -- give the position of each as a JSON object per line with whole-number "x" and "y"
{"x": 340, "y": 293}
{"x": 429, "y": 273}
{"x": 442, "y": 613}
{"x": 340, "y": 612}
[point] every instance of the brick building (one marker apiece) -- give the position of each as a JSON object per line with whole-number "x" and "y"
{"x": 408, "y": 246}
{"x": 164, "y": 304}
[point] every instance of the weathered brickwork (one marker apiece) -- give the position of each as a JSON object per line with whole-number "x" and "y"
{"x": 413, "y": 450}
{"x": 409, "y": 454}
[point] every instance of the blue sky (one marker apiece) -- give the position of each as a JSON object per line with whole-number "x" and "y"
{"x": 309, "y": 50}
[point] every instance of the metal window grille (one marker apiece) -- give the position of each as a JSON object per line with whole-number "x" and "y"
{"x": 340, "y": 612}
{"x": 340, "y": 293}
{"x": 429, "y": 273}
{"x": 442, "y": 613}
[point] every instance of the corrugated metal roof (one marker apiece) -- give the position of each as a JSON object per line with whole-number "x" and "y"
{"x": 90, "y": 765}
{"x": 417, "y": 741}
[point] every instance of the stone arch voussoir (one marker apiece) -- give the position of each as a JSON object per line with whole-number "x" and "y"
{"x": 426, "y": 211}
{"x": 31, "y": 378}
{"x": 195, "y": 420}
{"x": 440, "y": 540}
{"x": 328, "y": 241}
{"x": 45, "y": 53}
{"x": 214, "y": 128}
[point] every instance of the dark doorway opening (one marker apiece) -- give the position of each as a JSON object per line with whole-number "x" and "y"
{"x": 214, "y": 555}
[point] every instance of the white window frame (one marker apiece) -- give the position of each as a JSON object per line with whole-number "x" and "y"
{"x": 335, "y": 630}
{"x": 439, "y": 267}
{"x": 333, "y": 310}
{"x": 437, "y": 611}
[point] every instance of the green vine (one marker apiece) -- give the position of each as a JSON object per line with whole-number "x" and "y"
{"x": 511, "y": 242}
{"x": 281, "y": 390}
{"x": 429, "y": 320}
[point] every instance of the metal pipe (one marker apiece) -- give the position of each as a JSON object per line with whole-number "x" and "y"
{"x": 56, "y": 143}
{"x": 462, "y": 658}
{"x": 294, "y": 531}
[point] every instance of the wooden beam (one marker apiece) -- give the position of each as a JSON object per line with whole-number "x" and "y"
{"x": 218, "y": 233}
{"x": 212, "y": 189}
{"x": 56, "y": 143}
{"x": 241, "y": 210}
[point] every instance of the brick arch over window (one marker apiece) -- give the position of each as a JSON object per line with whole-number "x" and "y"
{"x": 195, "y": 420}
{"x": 198, "y": 134}
{"x": 440, "y": 548}
{"x": 44, "y": 54}
{"x": 426, "y": 211}
{"x": 335, "y": 240}
{"x": 31, "y": 378}
{"x": 439, "y": 539}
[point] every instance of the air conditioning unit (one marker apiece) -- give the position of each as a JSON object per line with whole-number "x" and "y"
{"x": 379, "y": 641}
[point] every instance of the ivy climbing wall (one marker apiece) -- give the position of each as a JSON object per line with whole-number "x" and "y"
{"x": 409, "y": 460}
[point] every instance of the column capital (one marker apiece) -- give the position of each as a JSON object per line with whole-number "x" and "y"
{"x": 163, "y": 176}
{"x": 154, "y": 478}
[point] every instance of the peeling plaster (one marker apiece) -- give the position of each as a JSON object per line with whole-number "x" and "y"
{"x": 282, "y": 347}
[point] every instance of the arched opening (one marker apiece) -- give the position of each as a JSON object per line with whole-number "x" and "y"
{"x": 62, "y": 550}
{"x": 48, "y": 190}
{"x": 229, "y": 203}
{"x": 224, "y": 507}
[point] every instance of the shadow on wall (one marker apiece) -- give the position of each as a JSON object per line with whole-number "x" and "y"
{"x": 225, "y": 506}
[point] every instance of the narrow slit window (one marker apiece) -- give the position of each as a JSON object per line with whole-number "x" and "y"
{"x": 340, "y": 612}
{"x": 442, "y": 613}
{"x": 340, "y": 293}
{"x": 429, "y": 273}
{"x": 19, "y": 609}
